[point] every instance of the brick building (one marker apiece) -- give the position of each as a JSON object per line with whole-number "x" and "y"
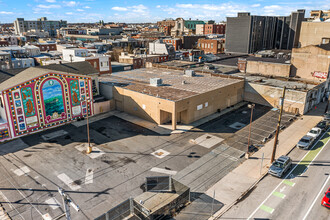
{"x": 210, "y": 29}
{"x": 214, "y": 46}
{"x": 176, "y": 42}
{"x": 46, "y": 46}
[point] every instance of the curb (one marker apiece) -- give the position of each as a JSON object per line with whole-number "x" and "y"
{"x": 248, "y": 190}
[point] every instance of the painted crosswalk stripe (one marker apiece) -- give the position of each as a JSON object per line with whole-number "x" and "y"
{"x": 278, "y": 194}
{"x": 288, "y": 182}
{"x": 267, "y": 209}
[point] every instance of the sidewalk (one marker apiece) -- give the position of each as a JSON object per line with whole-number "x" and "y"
{"x": 160, "y": 129}
{"x": 230, "y": 189}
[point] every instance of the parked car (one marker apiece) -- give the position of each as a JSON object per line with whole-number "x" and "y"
{"x": 327, "y": 116}
{"x": 315, "y": 132}
{"x": 326, "y": 199}
{"x": 280, "y": 166}
{"x": 305, "y": 142}
{"x": 323, "y": 125}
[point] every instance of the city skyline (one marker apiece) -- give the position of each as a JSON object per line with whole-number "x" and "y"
{"x": 148, "y": 11}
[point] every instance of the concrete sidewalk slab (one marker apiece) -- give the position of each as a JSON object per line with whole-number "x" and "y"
{"x": 230, "y": 188}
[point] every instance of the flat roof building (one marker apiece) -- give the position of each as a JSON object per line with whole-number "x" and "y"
{"x": 179, "y": 97}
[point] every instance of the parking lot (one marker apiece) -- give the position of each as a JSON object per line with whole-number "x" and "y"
{"x": 33, "y": 167}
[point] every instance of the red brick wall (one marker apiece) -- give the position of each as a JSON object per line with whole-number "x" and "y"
{"x": 210, "y": 46}
{"x": 96, "y": 64}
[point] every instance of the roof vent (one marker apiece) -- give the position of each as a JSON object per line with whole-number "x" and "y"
{"x": 190, "y": 73}
{"x": 156, "y": 81}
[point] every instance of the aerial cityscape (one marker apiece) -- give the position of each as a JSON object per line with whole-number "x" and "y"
{"x": 150, "y": 110}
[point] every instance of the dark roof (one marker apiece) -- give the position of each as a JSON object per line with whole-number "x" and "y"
{"x": 82, "y": 68}
{"x": 324, "y": 46}
{"x": 6, "y": 74}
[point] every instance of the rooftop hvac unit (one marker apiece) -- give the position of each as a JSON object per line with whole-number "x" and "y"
{"x": 190, "y": 73}
{"x": 156, "y": 81}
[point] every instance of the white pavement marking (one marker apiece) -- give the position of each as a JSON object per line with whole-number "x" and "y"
{"x": 89, "y": 176}
{"x": 47, "y": 217}
{"x": 160, "y": 170}
{"x": 237, "y": 125}
{"x": 96, "y": 152}
{"x": 53, "y": 135}
{"x": 316, "y": 198}
{"x": 282, "y": 189}
{"x": 254, "y": 212}
{"x": 21, "y": 171}
{"x": 68, "y": 181}
{"x": 160, "y": 153}
{"x": 53, "y": 203}
{"x": 208, "y": 140}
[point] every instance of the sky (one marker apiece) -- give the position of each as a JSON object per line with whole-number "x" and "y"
{"x": 133, "y": 11}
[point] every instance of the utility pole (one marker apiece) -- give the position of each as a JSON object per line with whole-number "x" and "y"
{"x": 278, "y": 126}
{"x": 66, "y": 202}
{"x": 247, "y": 152}
{"x": 89, "y": 148}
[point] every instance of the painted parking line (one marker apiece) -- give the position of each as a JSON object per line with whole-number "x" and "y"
{"x": 288, "y": 182}
{"x": 306, "y": 160}
{"x": 278, "y": 194}
{"x": 160, "y": 170}
{"x": 21, "y": 171}
{"x": 68, "y": 181}
{"x": 89, "y": 176}
{"x": 267, "y": 209}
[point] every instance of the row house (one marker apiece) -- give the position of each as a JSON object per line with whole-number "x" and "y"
{"x": 100, "y": 62}
{"x": 176, "y": 42}
{"x": 214, "y": 46}
{"x": 140, "y": 61}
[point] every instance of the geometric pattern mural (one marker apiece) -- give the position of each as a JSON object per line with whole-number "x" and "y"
{"x": 48, "y": 100}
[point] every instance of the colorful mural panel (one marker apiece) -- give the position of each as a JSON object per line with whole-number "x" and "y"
{"x": 28, "y": 103}
{"x": 74, "y": 87}
{"x": 4, "y": 134}
{"x": 45, "y": 101}
{"x": 53, "y": 98}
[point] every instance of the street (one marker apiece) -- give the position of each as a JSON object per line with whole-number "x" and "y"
{"x": 297, "y": 196}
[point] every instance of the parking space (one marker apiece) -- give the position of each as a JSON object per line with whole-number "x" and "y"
{"x": 33, "y": 167}
{"x": 234, "y": 128}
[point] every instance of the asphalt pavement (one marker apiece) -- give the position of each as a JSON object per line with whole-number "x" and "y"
{"x": 297, "y": 196}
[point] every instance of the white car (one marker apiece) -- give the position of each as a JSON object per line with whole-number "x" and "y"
{"x": 315, "y": 132}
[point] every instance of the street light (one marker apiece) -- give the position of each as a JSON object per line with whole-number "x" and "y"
{"x": 251, "y": 106}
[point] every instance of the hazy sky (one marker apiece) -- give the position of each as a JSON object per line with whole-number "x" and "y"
{"x": 147, "y": 10}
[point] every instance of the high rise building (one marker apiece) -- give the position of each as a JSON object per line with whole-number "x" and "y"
{"x": 249, "y": 33}
{"x": 40, "y": 25}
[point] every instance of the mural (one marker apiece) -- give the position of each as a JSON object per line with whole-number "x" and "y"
{"x": 28, "y": 104}
{"x": 53, "y": 98}
{"x": 74, "y": 86}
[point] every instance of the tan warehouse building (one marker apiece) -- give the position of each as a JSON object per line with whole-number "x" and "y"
{"x": 313, "y": 33}
{"x": 182, "y": 97}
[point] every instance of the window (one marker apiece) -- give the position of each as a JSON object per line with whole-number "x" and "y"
{"x": 95, "y": 65}
{"x": 211, "y": 45}
{"x": 101, "y": 64}
{"x": 199, "y": 107}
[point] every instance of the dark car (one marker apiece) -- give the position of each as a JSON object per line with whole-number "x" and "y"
{"x": 326, "y": 199}
{"x": 323, "y": 125}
